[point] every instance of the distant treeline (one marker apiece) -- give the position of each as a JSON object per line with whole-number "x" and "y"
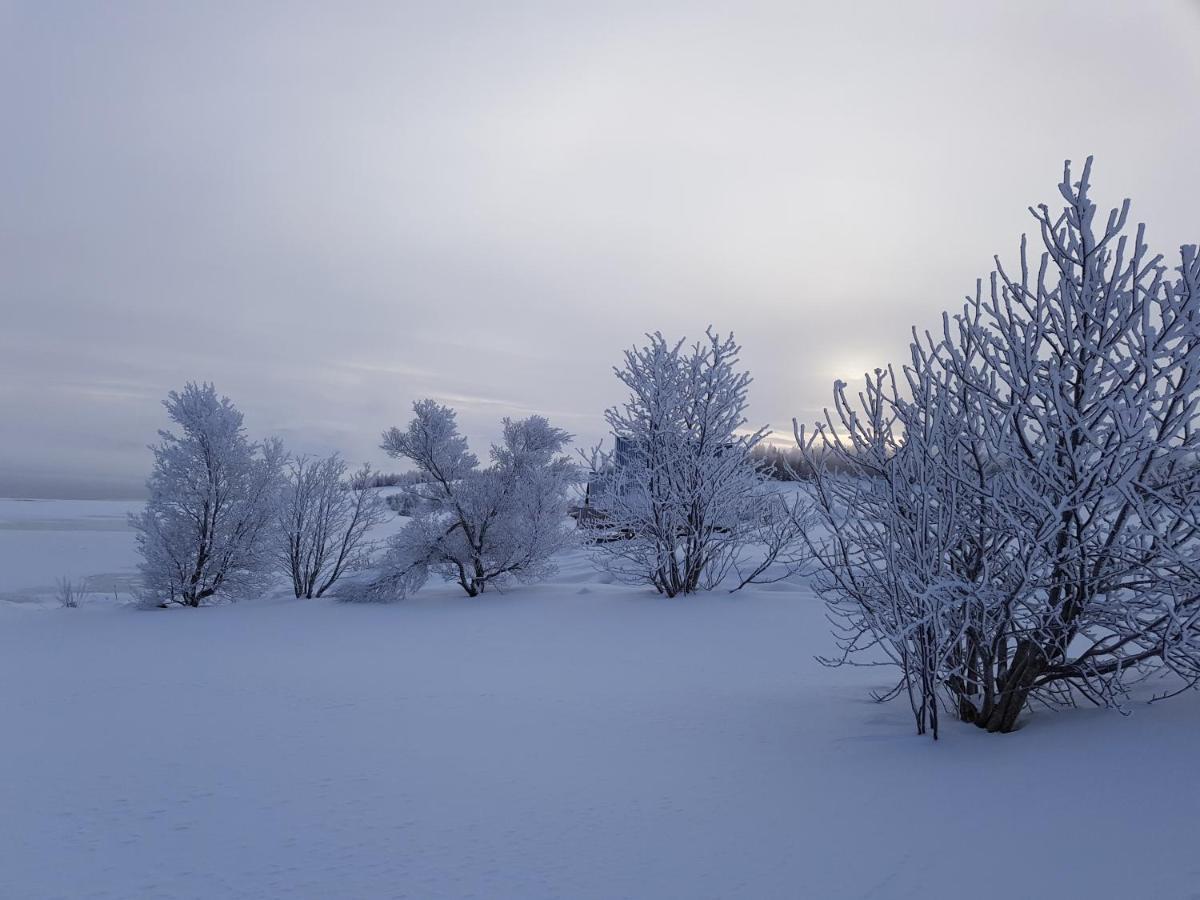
{"x": 384, "y": 479}
{"x": 779, "y": 463}
{"x": 789, "y": 464}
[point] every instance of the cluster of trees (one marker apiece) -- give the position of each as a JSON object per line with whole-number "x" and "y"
{"x": 691, "y": 503}
{"x": 226, "y": 514}
{"x": 1012, "y": 517}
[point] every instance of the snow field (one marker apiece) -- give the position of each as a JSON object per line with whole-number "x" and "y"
{"x": 571, "y": 739}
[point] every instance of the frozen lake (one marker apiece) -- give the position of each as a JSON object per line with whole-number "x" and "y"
{"x": 44, "y": 540}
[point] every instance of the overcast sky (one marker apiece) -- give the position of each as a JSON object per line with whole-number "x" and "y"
{"x": 333, "y": 210}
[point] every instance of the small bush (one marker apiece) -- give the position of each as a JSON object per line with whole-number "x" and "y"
{"x": 69, "y": 594}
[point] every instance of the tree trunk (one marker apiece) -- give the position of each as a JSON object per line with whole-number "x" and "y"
{"x": 1028, "y": 663}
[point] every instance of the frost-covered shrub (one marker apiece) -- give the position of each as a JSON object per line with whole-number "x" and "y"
{"x": 205, "y": 532}
{"x": 407, "y": 502}
{"x": 1015, "y": 519}
{"x": 682, "y": 500}
{"x": 476, "y": 526}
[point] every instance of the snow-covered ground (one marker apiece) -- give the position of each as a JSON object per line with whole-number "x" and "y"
{"x": 573, "y": 739}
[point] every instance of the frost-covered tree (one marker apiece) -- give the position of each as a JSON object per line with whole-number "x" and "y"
{"x": 682, "y": 497}
{"x": 205, "y": 530}
{"x": 480, "y": 527}
{"x": 323, "y": 519}
{"x": 1021, "y": 519}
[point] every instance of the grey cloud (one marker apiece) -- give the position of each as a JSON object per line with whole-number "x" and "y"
{"x": 333, "y": 209}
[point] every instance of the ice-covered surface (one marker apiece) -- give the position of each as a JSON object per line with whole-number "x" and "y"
{"x": 573, "y": 739}
{"x": 44, "y": 540}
